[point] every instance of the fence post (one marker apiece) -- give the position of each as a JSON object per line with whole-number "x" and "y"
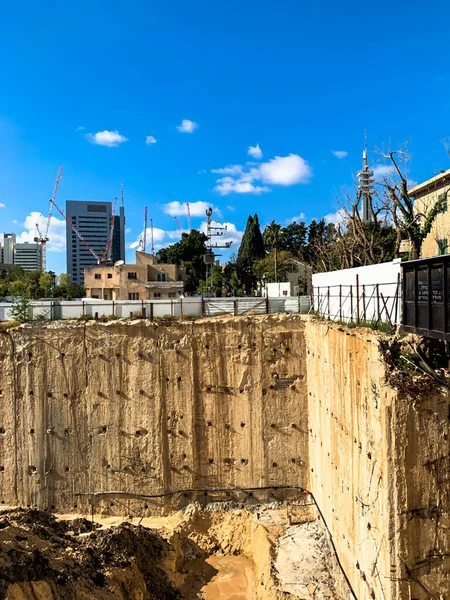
{"x": 235, "y": 306}
{"x": 151, "y": 311}
{"x": 364, "y": 301}
{"x": 357, "y": 299}
{"x": 340, "y": 302}
{"x": 83, "y": 307}
{"x": 267, "y": 304}
{"x": 203, "y": 307}
{"x": 318, "y": 301}
{"x": 171, "y": 308}
{"x": 142, "y": 308}
{"x": 113, "y": 311}
{"x": 351, "y": 303}
{"x": 397, "y": 292}
{"x": 328, "y": 295}
{"x": 181, "y": 306}
{"x": 378, "y": 302}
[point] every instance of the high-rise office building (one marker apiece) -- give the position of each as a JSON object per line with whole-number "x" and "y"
{"x": 118, "y": 242}
{"x": 93, "y": 221}
{"x": 25, "y": 254}
{"x": 28, "y": 256}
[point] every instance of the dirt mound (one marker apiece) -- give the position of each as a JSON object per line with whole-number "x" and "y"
{"x": 40, "y": 559}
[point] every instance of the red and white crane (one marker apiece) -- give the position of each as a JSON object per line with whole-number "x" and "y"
{"x": 106, "y": 256}
{"x": 43, "y": 238}
{"x": 179, "y": 224}
{"x": 143, "y": 241}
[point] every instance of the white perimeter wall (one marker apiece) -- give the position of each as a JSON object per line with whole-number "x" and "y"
{"x": 335, "y": 293}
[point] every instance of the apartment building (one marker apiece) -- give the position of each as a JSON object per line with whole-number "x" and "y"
{"x": 425, "y": 196}
{"x": 23, "y": 254}
{"x": 144, "y": 280}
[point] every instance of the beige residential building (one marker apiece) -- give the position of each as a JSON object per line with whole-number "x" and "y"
{"x": 425, "y": 196}
{"x": 145, "y": 280}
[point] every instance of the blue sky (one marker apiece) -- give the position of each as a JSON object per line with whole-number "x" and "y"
{"x": 298, "y": 79}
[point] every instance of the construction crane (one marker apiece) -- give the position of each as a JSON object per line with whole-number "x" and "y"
{"x": 188, "y": 215}
{"x": 179, "y": 224}
{"x": 106, "y": 256}
{"x": 143, "y": 243}
{"x": 151, "y": 236}
{"x": 43, "y": 238}
{"x": 76, "y": 232}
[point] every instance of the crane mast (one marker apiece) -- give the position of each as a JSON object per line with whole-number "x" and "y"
{"x": 151, "y": 237}
{"x": 188, "y": 215}
{"x": 106, "y": 256}
{"x": 43, "y": 239}
{"x": 144, "y": 233}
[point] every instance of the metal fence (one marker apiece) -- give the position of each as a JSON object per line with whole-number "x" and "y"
{"x": 359, "y": 303}
{"x": 150, "y": 309}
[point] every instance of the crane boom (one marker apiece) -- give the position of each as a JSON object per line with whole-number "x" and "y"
{"x": 77, "y": 233}
{"x": 178, "y": 223}
{"x": 55, "y": 192}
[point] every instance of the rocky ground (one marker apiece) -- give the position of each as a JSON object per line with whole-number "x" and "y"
{"x": 217, "y": 552}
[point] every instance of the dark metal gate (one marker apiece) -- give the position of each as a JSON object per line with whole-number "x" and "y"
{"x": 426, "y": 296}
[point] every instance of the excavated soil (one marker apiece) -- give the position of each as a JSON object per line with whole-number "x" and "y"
{"x": 216, "y": 552}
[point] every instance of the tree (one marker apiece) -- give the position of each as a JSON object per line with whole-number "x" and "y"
{"x": 66, "y": 288}
{"x": 46, "y": 283}
{"x": 20, "y": 310}
{"x": 250, "y": 250}
{"x": 265, "y": 267}
{"x": 188, "y": 252}
{"x": 294, "y": 238}
{"x": 409, "y": 223}
{"x": 274, "y": 236}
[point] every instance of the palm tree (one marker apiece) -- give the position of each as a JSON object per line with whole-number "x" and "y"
{"x": 274, "y": 236}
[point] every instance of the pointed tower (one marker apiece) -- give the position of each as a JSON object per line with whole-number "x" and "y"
{"x": 365, "y": 178}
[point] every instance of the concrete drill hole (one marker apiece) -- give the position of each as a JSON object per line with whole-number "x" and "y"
{"x": 49, "y": 394}
{"x": 242, "y": 424}
{"x": 2, "y": 431}
{"x": 66, "y": 395}
{"x": 66, "y": 469}
{"x": 210, "y": 424}
{"x": 30, "y": 393}
{"x": 2, "y": 468}
{"x": 227, "y": 426}
{"x": 211, "y": 461}
{"x": 31, "y": 431}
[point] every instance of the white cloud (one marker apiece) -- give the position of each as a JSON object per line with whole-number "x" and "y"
{"x": 15, "y": 221}
{"x": 149, "y": 140}
{"x": 158, "y": 236}
{"x": 255, "y": 151}
{"x": 2, "y": 205}
{"x": 232, "y": 234}
{"x": 56, "y": 231}
{"x": 111, "y": 139}
{"x": 128, "y": 230}
{"x": 187, "y": 126}
{"x": 336, "y": 218}
{"x": 340, "y": 153}
{"x": 232, "y": 208}
{"x": 197, "y": 209}
{"x": 286, "y": 170}
{"x": 81, "y": 128}
{"x": 281, "y": 170}
{"x": 297, "y": 218}
{"x": 228, "y": 185}
{"x": 380, "y": 171}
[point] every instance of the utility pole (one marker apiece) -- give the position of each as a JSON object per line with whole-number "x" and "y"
{"x": 210, "y": 256}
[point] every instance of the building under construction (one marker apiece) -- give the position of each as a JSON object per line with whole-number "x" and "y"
{"x": 88, "y": 234}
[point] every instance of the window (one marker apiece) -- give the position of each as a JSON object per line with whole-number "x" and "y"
{"x": 97, "y": 276}
{"x": 133, "y": 296}
{"x": 180, "y": 277}
{"x": 132, "y": 276}
{"x": 443, "y": 246}
{"x": 443, "y": 198}
{"x": 172, "y": 295}
{"x": 109, "y": 275}
{"x": 161, "y": 277}
{"x": 157, "y": 295}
